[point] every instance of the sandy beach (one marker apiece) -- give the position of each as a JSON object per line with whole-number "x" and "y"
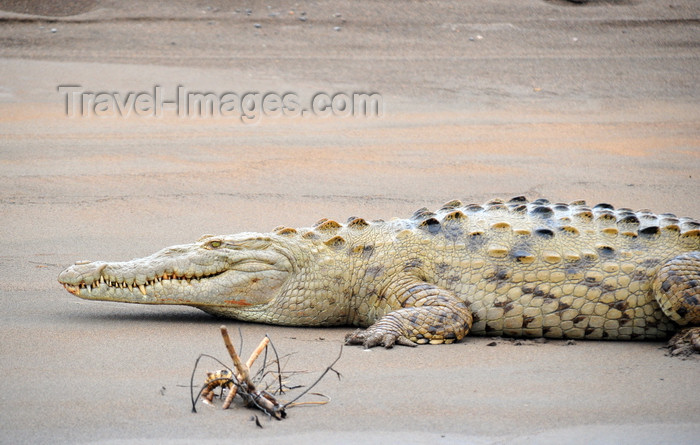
{"x": 474, "y": 100}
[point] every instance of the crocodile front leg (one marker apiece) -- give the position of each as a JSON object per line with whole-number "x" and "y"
{"x": 428, "y": 314}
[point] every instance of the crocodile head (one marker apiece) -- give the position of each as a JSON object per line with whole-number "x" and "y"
{"x": 238, "y": 272}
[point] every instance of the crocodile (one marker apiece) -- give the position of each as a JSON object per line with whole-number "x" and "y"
{"x": 504, "y": 268}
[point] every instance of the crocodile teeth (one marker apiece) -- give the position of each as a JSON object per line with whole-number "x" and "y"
{"x": 142, "y": 288}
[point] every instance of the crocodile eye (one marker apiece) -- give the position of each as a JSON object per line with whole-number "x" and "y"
{"x": 214, "y": 244}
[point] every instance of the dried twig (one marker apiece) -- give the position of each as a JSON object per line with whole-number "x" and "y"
{"x": 329, "y": 368}
{"x": 242, "y": 369}
{"x": 255, "y": 354}
{"x": 252, "y": 396}
{"x": 238, "y": 381}
{"x": 243, "y": 374}
{"x": 279, "y": 369}
{"x": 317, "y": 402}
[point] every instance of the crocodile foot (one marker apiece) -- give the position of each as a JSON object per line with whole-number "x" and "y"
{"x": 370, "y": 338}
{"x": 429, "y": 314}
{"x": 685, "y": 342}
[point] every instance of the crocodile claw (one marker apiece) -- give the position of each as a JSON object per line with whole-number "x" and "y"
{"x": 686, "y": 342}
{"x": 370, "y": 338}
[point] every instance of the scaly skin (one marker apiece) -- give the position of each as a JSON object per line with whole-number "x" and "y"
{"x": 505, "y": 268}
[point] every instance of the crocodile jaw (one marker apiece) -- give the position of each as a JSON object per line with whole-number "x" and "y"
{"x": 219, "y": 290}
{"x": 234, "y": 274}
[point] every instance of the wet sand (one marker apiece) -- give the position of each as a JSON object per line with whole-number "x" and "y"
{"x": 595, "y": 102}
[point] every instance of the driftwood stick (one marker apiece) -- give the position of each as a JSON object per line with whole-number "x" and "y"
{"x": 229, "y": 397}
{"x": 242, "y": 371}
{"x": 240, "y": 366}
{"x": 254, "y": 356}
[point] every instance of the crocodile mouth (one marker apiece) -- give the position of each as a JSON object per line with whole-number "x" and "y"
{"x": 104, "y": 283}
{"x": 188, "y": 275}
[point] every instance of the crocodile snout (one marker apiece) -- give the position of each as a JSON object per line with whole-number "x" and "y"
{"x": 82, "y": 272}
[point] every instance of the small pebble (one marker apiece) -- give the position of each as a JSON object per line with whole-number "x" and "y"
{"x": 54, "y": 30}
{"x": 493, "y": 343}
{"x": 258, "y": 25}
{"x": 337, "y": 28}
